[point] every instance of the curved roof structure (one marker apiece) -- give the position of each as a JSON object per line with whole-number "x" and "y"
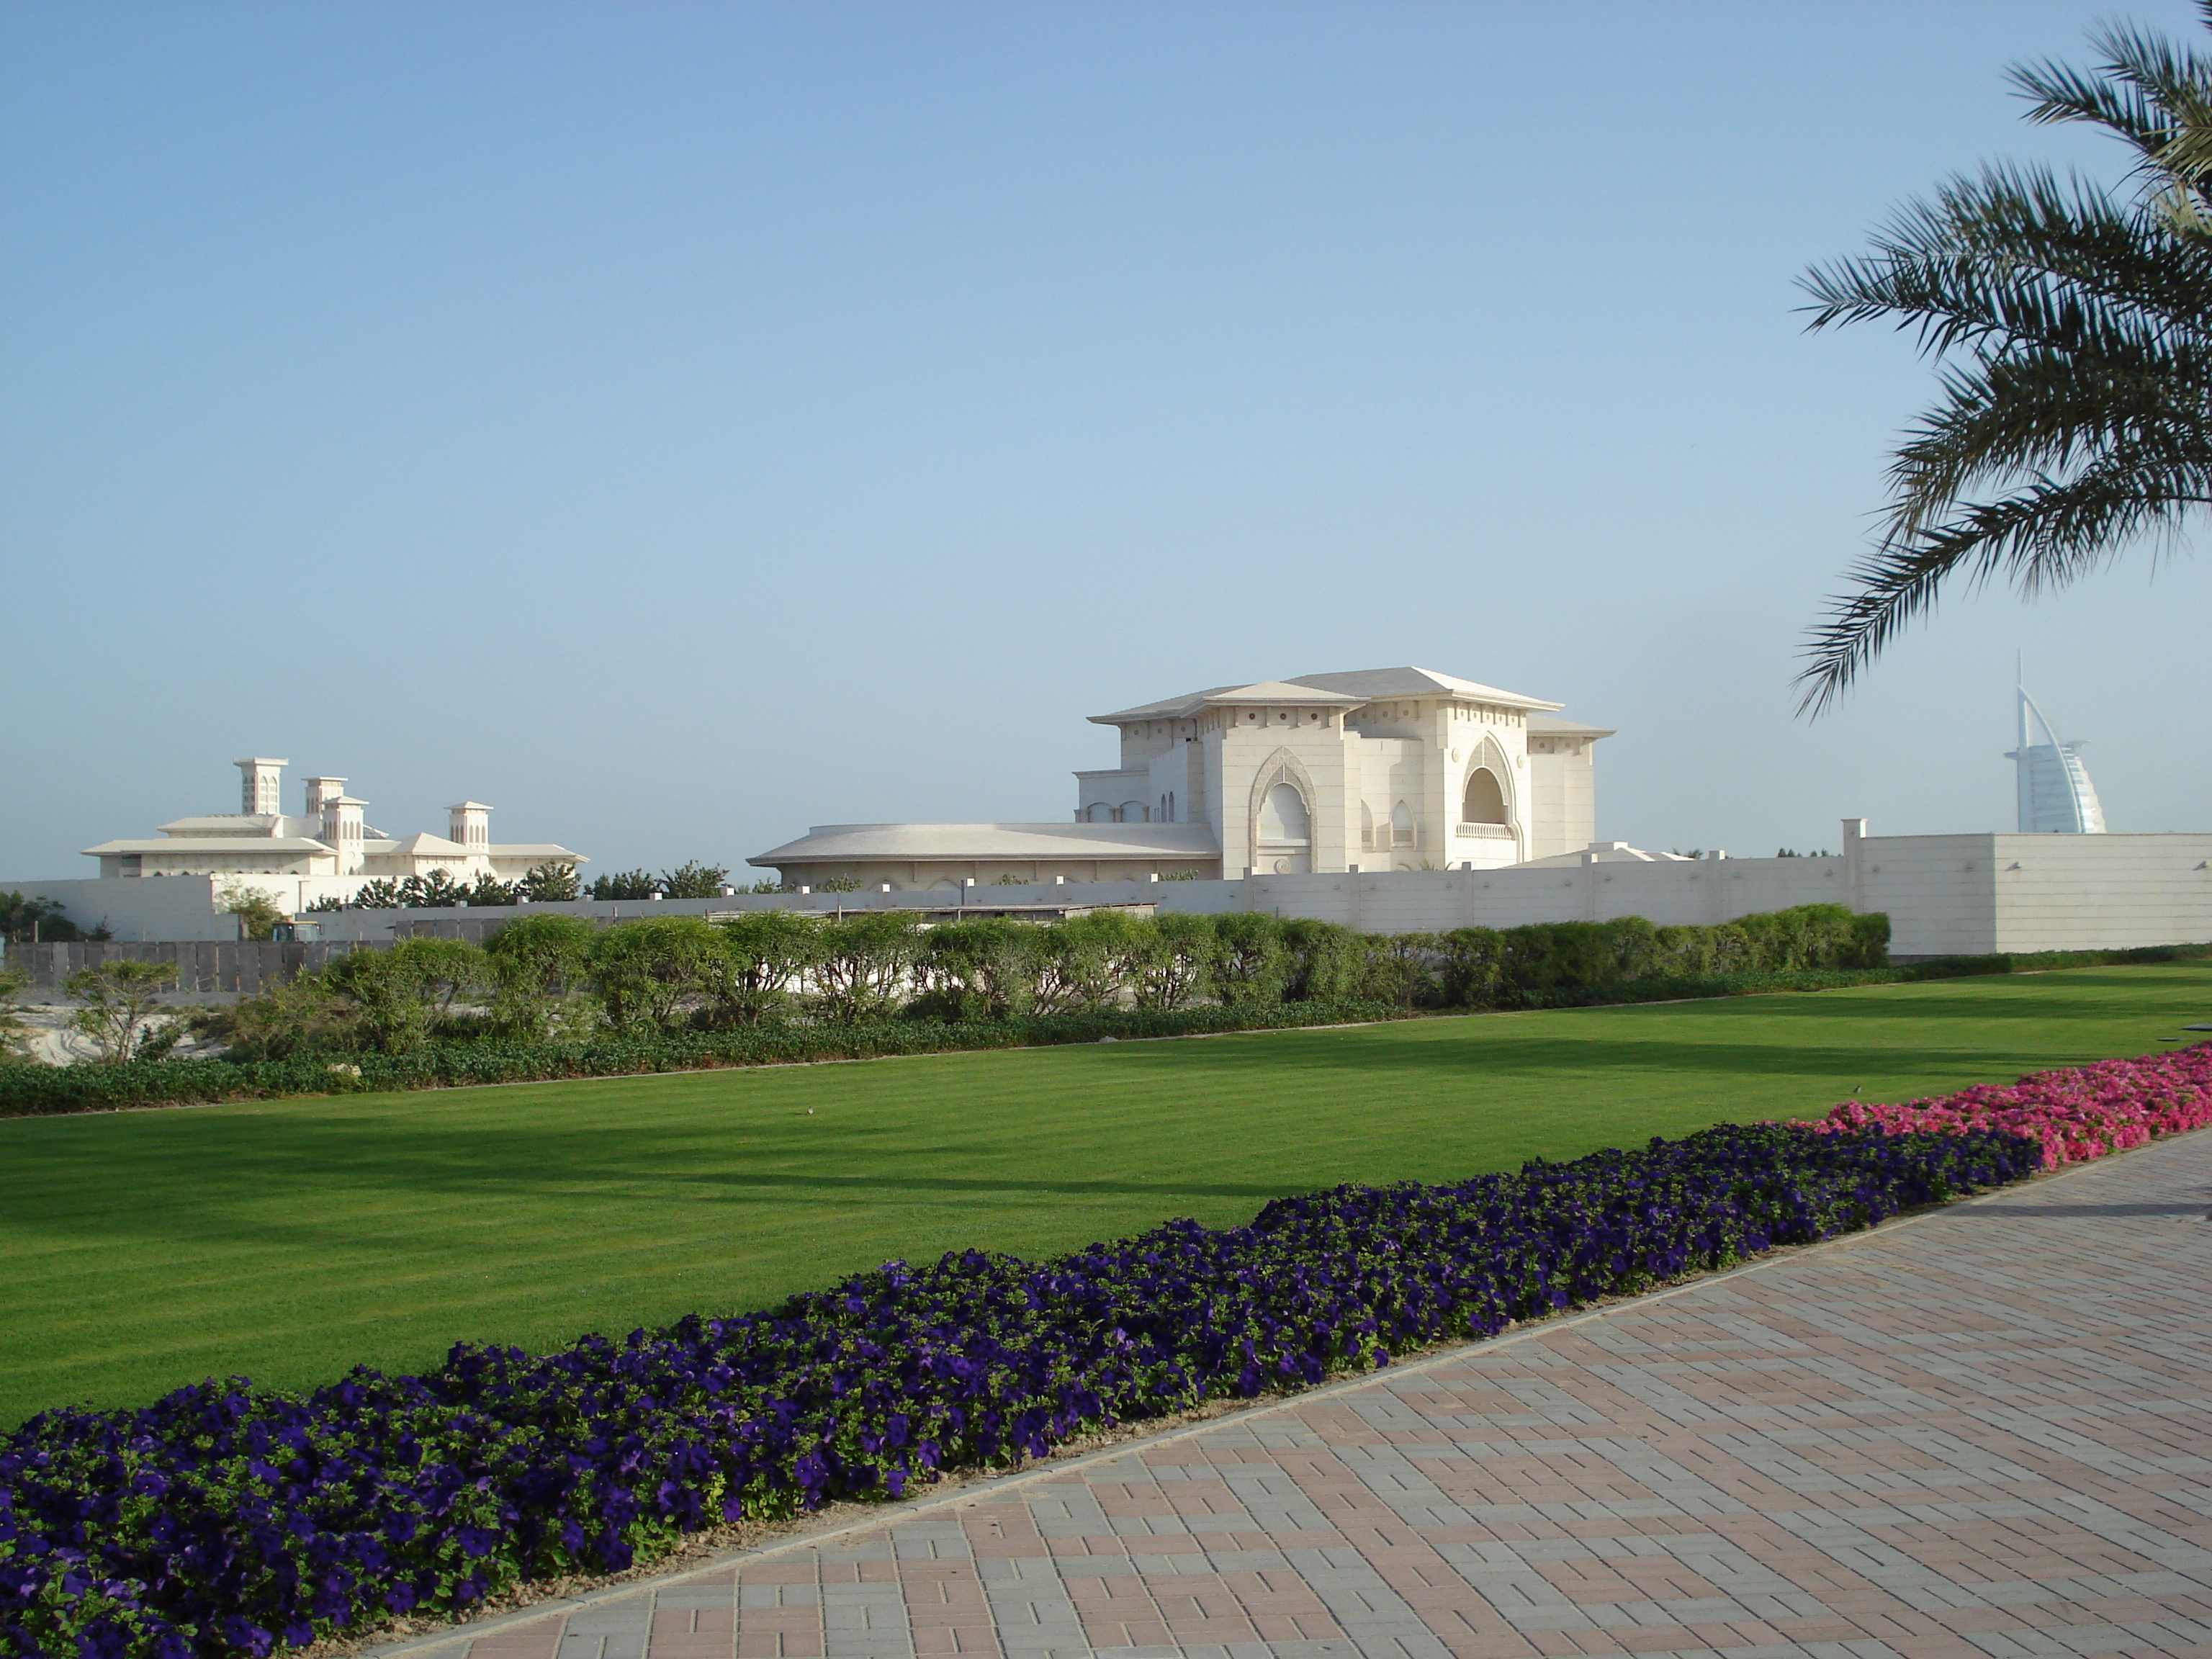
{"x": 932, "y": 843}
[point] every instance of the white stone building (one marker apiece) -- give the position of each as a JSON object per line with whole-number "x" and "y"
{"x": 1387, "y": 769}
{"x": 329, "y": 838}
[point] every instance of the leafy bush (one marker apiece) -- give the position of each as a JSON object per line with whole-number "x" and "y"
{"x": 305, "y": 1069}
{"x": 1170, "y": 963}
{"x": 121, "y": 1000}
{"x": 227, "y": 1520}
{"x": 1250, "y": 963}
{"x": 866, "y": 960}
{"x": 648, "y": 973}
{"x": 621, "y": 884}
{"x": 765, "y": 954}
{"x": 538, "y": 966}
{"x": 1326, "y": 962}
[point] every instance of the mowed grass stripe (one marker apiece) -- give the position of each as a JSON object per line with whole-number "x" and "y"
{"x": 290, "y": 1240}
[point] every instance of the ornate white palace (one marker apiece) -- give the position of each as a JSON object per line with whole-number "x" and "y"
{"x": 330, "y": 838}
{"x": 1387, "y": 769}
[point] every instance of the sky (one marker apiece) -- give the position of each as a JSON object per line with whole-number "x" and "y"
{"x": 680, "y": 424}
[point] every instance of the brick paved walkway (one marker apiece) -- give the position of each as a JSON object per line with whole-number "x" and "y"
{"x": 1986, "y": 1432}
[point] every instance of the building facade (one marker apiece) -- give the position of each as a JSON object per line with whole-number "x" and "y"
{"x": 330, "y": 837}
{"x": 1381, "y": 769}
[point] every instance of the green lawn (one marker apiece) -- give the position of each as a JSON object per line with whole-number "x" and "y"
{"x": 289, "y": 1240}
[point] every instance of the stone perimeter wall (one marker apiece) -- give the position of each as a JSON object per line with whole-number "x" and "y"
{"x": 1945, "y": 895}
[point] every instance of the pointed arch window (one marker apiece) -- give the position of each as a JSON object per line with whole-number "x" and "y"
{"x": 1403, "y": 832}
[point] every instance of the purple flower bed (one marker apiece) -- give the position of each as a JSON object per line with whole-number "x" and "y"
{"x": 231, "y": 1520}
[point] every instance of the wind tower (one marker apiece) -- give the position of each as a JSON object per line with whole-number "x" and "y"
{"x": 2056, "y": 795}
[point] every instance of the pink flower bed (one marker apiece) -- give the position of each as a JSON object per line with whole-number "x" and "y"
{"x": 2083, "y": 1112}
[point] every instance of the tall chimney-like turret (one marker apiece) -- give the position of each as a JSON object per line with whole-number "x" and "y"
{"x": 320, "y": 790}
{"x": 469, "y": 823}
{"x": 264, "y": 784}
{"x": 341, "y": 832}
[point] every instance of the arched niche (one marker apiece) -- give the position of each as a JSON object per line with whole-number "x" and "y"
{"x": 1132, "y": 811}
{"x": 1483, "y": 800}
{"x": 1282, "y": 818}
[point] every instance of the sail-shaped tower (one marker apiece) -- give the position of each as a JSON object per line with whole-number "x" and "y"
{"x": 2056, "y": 795}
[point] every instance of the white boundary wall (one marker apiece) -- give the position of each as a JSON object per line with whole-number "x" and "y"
{"x": 1945, "y": 895}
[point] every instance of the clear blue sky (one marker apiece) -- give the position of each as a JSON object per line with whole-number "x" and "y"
{"x": 678, "y": 424}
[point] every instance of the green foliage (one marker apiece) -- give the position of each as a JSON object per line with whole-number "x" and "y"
{"x": 1402, "y": 969}
{"x": 621, "y": 884}
{"x": 549, "y": 883}
{"x": 1086, "y": 963}
{"x": 257, "y": 914}
{"x": 1470, "y": 964}
{"x": 375, "y": 895}
{"x": 26, "y": 920}
{"x": 650, "y": 973}
{"x": 296, "y": 1016}
{"x": 52, "y": 1090}
{"x": 327, "y": 904}
{"x": 986, "y": 968}
{"x": 864, "y": 964}
{"x": 1326, "y": 962}
{"x": 1250, "y": 963}
{"x": 436, "y": 892}
{"x": 693, "y": 880}
{"x": 121, "y": 999}
{"x": 1171, "y": 964}
{"x": 765, "y": 957}
{"x": 838, "y": 884}
{"x": 489, "y": 891}
{"x": 2072, "y": 325}
{"x": 538, "y": 966}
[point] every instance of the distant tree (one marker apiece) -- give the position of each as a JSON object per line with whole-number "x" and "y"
{"x": 2074, "y": 327}
{"x": 27, "y": 921}
{"x": 623, "y": 885}
{"x": 375, "y": 895}
{"x": 327, "y": 903}
{"x": 838, "y": 884}
{"x": 489, "y": 891}
{"x": 549, "y": 883}
{"x": 436, "y": 892}
{"x": 693, "y": 880}
{"x": 257, "y": 914}
{"x": 121, "y": 1000}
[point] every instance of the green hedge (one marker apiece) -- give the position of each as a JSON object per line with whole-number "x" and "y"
{"x": 41, "y": 1090}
